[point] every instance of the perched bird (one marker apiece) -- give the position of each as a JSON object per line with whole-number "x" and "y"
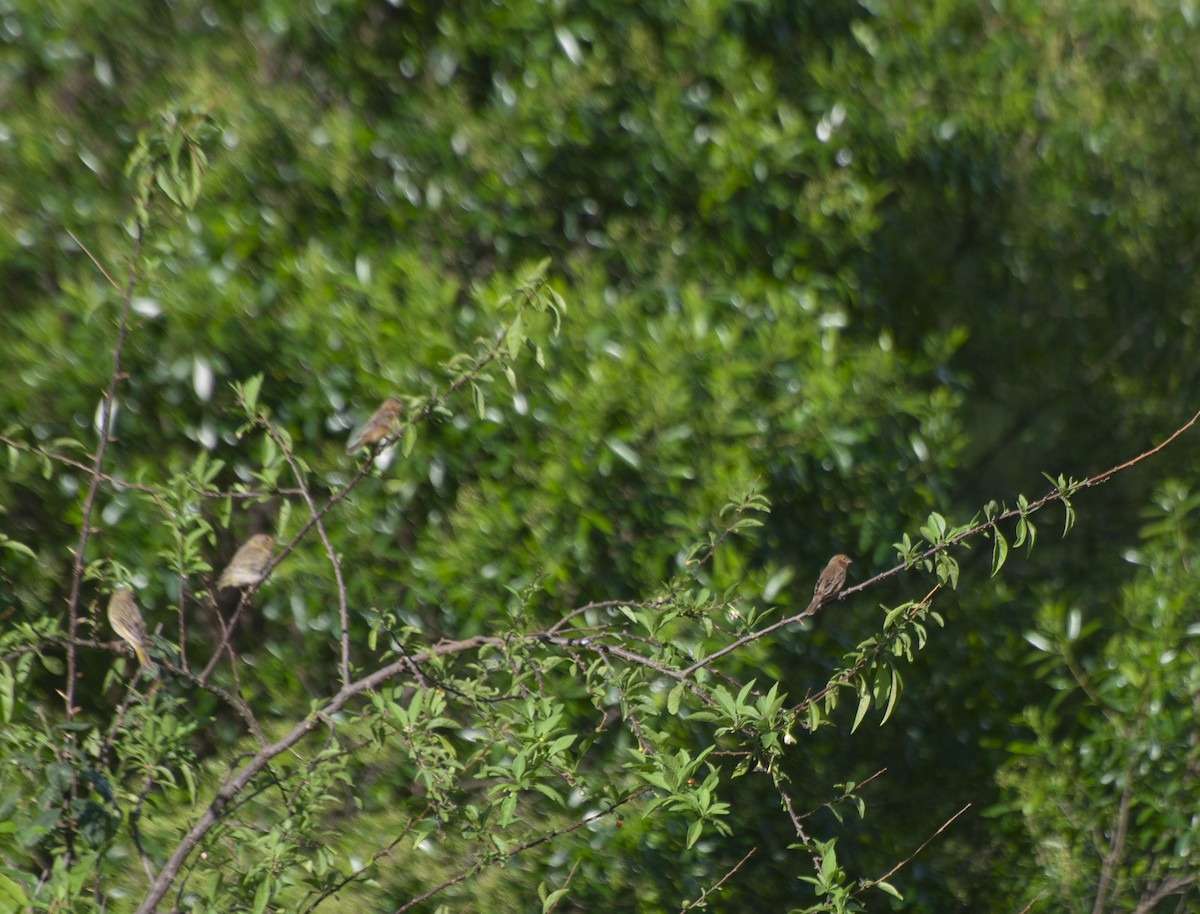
{"x": 249, "y": 564}
{"x": 381, "y": 424}
{"x": 830, "y": 583}
{"x": 126, "y": 620}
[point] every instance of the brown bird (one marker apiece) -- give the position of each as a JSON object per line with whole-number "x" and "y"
{"x": 381, "y": 424}
{"x": 830, "y": 583}
{"x": 126, "y": 620}
{"x": 249, "y": 564}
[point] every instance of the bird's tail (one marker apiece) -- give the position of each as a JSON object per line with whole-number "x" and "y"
{"x": 147, "y": 664}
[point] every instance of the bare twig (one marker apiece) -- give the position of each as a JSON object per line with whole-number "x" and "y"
{"x": 1173, "y": 886}
{"x": 89, "y": 501}
{"x": 334, "y": 562}
{"x": 153, "y": 491}
{"x": 85, "y": 527}
{"x": 895, "y": 869}
{"x": 519, "y": 849}
{"x": 226, "y": 631}
{"x": 699, "y": 901}
{"x": 566, "y": 883}
{"x": 1036, "y": 898}
{"x": 1117, "y": 849}
{"x": 375, "y": 858}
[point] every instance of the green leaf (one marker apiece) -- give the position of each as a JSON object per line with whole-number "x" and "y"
{"x": 516, "y": 335}
{"x": 15, "y": 546}
{"x": 889, "y": 889}
{"x": 890, "y": 619}
{"x": 935, "y": 528}
{"x": 624, "y": 451}
{"x": 999, "y": 550}
{"x": 674, "y": 698}
{"x": 864, "y": 703}
{"x": 12, "y": 896}
{"x": 7, "y": 692}
{"x": 1041, "y": 642}
{"x": 893, "y": 695}
{"x": 536, "y": 273}
{"x": 550, "y": 900}
{"x": 249, "y": 390}
{"x": 1069, "y": 517}
{"x": 262, "y": 896}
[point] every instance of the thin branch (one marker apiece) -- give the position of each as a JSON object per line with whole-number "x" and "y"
{"x": 858, "y": 786}
{"x": 720, "y": 882}
{"x": 239, "y": 706}
{"x": 153, "y": 491}
{"x": 89, "y": 501}
{"x": 790, "y": 809}
{"x": 566, "y": 883}
{"x": 605, "y": 604}
{"x": 375, "y": 858}
{"x": 112, "y": 282}
{"x": 1052, "y": 496}
{"x": 238, "y": 782}
{"x": 226, "y": 631}
{"x": 85, "y": 532}
{"x": 1167, "y": 887}
{"x": 1036, "y": 898}
{"x": 895, "y": 869}
{"x": 334, "y": 561}
{"x": 519, "y": 849}
{"x": 882, "y": 646}
{"x": 181, "y": 596}
{"x": 1117, "y": 849}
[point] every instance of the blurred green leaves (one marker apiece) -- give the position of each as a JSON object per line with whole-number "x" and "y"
{"x": 884, "y": 264}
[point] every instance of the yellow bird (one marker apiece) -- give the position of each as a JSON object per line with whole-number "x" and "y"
{"x": 126, "y": 620}
{"x": 249, "y": 564}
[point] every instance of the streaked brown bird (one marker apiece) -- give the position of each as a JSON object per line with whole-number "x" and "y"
{"x": 249, "y": 564}
{"x": 381, "y": 424}
{"x": 830, "y": 583}
{"x": 126, "y": 620}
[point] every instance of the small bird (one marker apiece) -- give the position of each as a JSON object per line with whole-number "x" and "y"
{"x": 249, "y": 564}
{"x": 126, "y": 620}
{"x": 830, "y": 583}
{"x": 381, "y": 424}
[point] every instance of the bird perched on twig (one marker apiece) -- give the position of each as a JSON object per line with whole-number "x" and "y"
{"x": 126, "y": 620}
{"x": 381, "y": 424}
{"x": 830, "y": 583}
{"x": 249, "y": 564}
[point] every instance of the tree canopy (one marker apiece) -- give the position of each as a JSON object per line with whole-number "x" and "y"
{"x": 677, "y": 300}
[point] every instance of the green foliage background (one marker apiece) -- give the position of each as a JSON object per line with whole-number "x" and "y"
{"x": 886, "y": 259}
